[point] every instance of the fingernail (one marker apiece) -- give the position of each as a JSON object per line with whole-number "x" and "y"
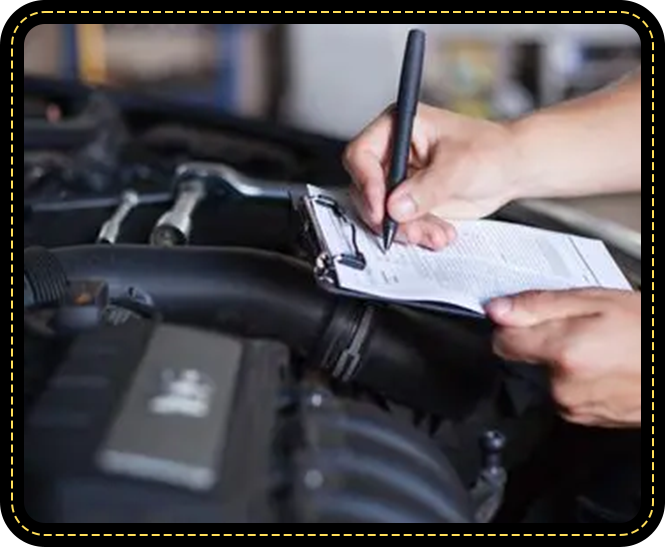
{"x": 403, "y": 208}
{"x": 500, "y": 307}
{"x": 401, "y": 238}
{"x": 435, "y": 241}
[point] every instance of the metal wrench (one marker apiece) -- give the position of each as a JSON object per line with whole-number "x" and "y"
{"x": 174, "y": 226}
{"x": 110, "y": 230}
{"x": 238, "y": 183}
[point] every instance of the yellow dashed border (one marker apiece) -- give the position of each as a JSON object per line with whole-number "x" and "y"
{"x": 635, "y": 531}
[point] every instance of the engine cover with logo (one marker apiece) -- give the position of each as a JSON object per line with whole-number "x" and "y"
{"x": 135, "y": 426}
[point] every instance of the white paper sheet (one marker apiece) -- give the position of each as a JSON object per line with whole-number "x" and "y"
{"x": 488, "y": 259}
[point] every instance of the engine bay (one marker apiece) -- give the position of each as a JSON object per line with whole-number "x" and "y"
{"x": 182, "y": 365}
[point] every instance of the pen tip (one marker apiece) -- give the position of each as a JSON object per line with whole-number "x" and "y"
{"x": 388, "y": 236}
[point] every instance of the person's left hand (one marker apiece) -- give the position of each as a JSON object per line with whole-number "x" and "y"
{"x": 592, "y": 342}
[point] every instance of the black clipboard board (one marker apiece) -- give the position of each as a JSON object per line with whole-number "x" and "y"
{"x": 325, "y": 264}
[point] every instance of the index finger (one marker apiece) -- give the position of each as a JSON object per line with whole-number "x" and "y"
{"x": 364, "y": 160}
{"x": 531, "y": 308}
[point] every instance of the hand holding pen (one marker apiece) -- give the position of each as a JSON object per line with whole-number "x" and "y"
{"x": 444, "y": 166}
{"x": 387, "y": 149}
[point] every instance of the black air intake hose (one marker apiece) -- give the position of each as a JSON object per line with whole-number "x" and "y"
{"x": 69, "y": 135}
{"x": 431, "y": 363}
{"x": 98, "y": 115}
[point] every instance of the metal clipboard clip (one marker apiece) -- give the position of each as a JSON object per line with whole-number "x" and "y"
{"x": 326, "y": 263}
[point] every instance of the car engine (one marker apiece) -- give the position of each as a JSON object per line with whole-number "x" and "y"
{"x": 182, "y": 365}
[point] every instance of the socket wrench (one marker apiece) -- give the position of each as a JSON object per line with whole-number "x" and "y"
{"x": 174, "y": 227}
{"x": 108, "y": 234}
{"x": 233, "y": 181}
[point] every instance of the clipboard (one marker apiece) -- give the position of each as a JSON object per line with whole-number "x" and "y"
{"x": 326, "y": 264}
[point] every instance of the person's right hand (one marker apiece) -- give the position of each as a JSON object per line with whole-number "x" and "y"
{"x": 460, "y": 168}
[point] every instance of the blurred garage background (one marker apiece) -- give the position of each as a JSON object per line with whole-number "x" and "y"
{"x": 334, "y": 78}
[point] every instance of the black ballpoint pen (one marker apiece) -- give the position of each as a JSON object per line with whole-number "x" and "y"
{"x": 405, "y": 112}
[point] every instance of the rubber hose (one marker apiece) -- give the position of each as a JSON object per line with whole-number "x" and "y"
{"x": 430, "y": 363}
{"x": 69, "y": 135}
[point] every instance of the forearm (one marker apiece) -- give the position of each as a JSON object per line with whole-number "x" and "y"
{"x": 587, "y": 146}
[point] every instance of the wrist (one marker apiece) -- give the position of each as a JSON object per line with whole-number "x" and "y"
{"x": 523, "y": 178}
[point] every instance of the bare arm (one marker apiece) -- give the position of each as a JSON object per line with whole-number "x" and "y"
{"x": 463, "y": 167}
{"x": 586, "y": 146}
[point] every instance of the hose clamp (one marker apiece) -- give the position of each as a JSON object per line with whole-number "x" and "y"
{"x": 348, "y": 363}
{"x": 343, "y": 342}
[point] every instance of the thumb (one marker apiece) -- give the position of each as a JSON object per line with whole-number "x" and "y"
{"x": 532, "y": 308}
{"x": 417, "y": 196}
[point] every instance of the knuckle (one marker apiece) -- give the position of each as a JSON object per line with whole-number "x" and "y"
{"x": 350, "y": 155}
{"x": 574, "y": 417}
{"x": 566, "y": 402}
{"x": 428, "y": 192}
{"x": 499, "y": 346}
{"x": 570, "y": 356}
{"x": 502, "y": 347}
{"x": 567, "y": 359}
